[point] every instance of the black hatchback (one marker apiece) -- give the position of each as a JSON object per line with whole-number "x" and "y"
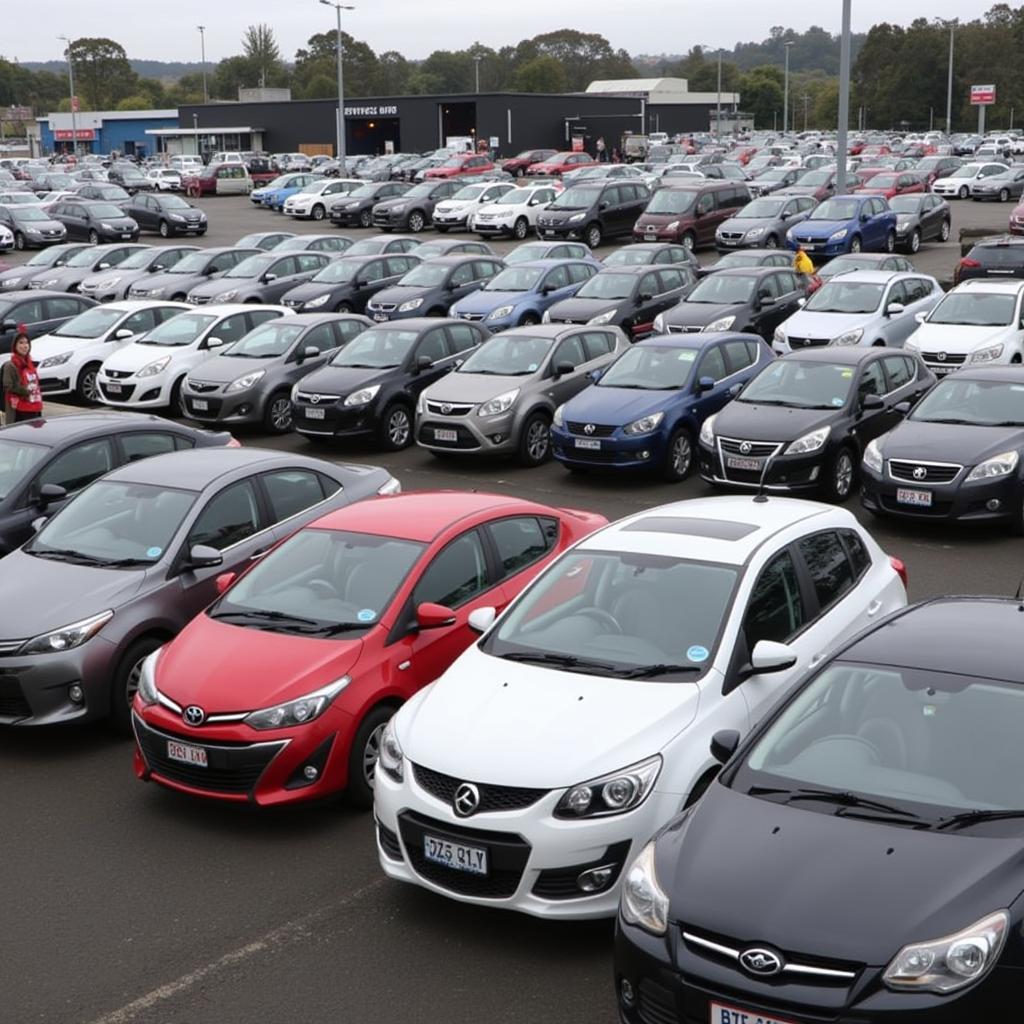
{"x": 859, "y": 857}
{"x": 166, "y": 214}
{"x": 356, "y": 208}
{"x": 347, "y": 283}
{"x": 94, "y": 221}
{"x": 594, "y": 211}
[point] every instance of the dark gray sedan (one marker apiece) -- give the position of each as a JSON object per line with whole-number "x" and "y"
{"x": 121, "y": 569}
{"x": 920, "y": 217}
{"x": 763, "y": 222}
{"x": 191, "y": 271}
{"x": 263, "y": 278}
{"x": 84, "y": 264}
{"x": 251, "y": 381}
{"x": 1006, "y": 185}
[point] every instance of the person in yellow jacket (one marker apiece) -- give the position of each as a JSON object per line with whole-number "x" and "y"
{"x": 802, "y": 263}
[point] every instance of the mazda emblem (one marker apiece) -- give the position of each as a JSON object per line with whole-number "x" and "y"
{"x": 745, "y": 447}
{"x": 920, "y": 473}
{"x": 194, "y": 715}
{"x": 589, "y": 428}
{"x": 762, "y": 962}
{"x": 315, "y": 399}
{"x": 466, "y": 800}
{"x": 941, "y": 357}
{"x": 446, "y": 408}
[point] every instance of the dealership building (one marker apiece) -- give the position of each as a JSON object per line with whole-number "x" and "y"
{"x": 105, "y": 131}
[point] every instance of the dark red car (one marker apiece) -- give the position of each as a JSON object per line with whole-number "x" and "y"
{"x": 522, "y": 162}
{"x": 562, "y": 162}
{"x": 894, "y": 183}
{"x": 1017, "y": 220}
{"x": 880, "y": 150}
{"x": 280, "y": 690}
{"x": 464, "y": 163}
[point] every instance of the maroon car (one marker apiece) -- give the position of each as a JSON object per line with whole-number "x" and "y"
{"x": 558, "y": 164}
{"x": 519, "y": 164}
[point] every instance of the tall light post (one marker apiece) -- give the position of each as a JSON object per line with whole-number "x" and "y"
{"x": 718, "y": 107}
{"x": 338, "y": 8}
{"x": 844, "y": 99}
{"x": 949, "y": 82}
{"x": 785, "y": 90}
{"x": 202, "y": 46}
{"x": 71, "y": 84}
{"x": 477, "y": 60}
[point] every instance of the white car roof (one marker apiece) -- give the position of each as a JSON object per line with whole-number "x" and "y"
{"x": 725, "y": 529}
{"x": 879, "y": 276}
{"x": 986, "y": 284}
{"x": 134, "y": 305}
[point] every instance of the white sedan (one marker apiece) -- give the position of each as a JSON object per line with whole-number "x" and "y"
{"x": 514, "y": 213}
{"x": 312, "y": 201}
{"x": 532, "y": 771}
{"x": 6, "y": 239}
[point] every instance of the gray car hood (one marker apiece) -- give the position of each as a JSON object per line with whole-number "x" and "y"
{"x": 474, "y": 387}
{"x": 224, "y": 369}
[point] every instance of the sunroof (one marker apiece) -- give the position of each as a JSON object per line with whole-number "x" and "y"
{"x": 715, "y": 529}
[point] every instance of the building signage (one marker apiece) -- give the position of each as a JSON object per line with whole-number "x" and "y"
{"x": 374, "y": 111}
{"x": 983, "y": 95}
{"x": 83, "y": 134}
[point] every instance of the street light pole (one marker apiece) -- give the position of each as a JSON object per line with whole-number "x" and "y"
{"x": 949, "y": 83}
{"x": 844, "y": 100}
{"x": 338, "y": 8}
{"x": 718, "y": 110}
{"x": 71, "y": 83}
{"x": 202, "y": 44}
{"x": 785, "y": 90}
{"x": 477, "y": 60}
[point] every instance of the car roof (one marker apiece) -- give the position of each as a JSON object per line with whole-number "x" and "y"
{"x": 986, "y": 284}
{"x": 536, "y": 330}
{"x": 875, "y": 276}
{"x": 635, "y": 270}
{"x": 55, "y": 431}
{"x": 755, "y": 272}
{"x": 694, "y": 340}
{"x": 132, "y": 305}
{"x": 311, "y": 319}
{"x": 1009, "y": 373}
{"x": 197, "y": 468}
{"x": 547, "y": 263}
{"x": 997, "y": 241}
{"x": 659, "y": 246}
{"x": 453, "y": 259}
{"x": 844, "y": 355}
{"x": 725, "y": 529}
{"x": 420, "y": 516}
{"x": 40, "y": 293}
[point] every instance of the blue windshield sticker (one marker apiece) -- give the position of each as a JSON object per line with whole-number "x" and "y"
{"x": 532, "y": 368}
{"x": 366, "y": 615}
{"x": 838, "y": 402}
{"x": 154, "y": 552}
{"x": 697, "y": 653}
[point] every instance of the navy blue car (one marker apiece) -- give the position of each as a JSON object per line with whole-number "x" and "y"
{"x": 646, "y": 411}
{"x": 851, "y": 223}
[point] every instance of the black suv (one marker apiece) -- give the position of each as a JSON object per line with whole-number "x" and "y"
{"x": 357, "y": 207}
{"x": 594, "y": 211}
{"x": 413, "y": 210}
{"x": 348, "y": 282}
{"x": 998, "y": 257}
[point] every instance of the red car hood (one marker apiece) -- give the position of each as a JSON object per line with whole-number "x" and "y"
{"x": 226, "y": 668}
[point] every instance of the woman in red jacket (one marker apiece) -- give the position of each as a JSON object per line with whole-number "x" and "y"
{"x": 22, "y": 398}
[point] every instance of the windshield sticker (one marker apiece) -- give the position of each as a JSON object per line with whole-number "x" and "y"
{"x": 154, "y": 552}
{"x": 532, "y": 368}
{"x": 697, "y": 653}
{"x": 837, "y": 402}
{"x": 366, "y": 615}
{"x": 846, "y": 374}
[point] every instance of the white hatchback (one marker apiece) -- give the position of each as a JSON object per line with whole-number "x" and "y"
{"x": 456, "y": 212}
{"x": 148, "y": 373}
{"x": 530, "y": 773}
{"x": 514, "y": 213}
{"x": 312, "y": 201}
{"x": 958, "y": 184}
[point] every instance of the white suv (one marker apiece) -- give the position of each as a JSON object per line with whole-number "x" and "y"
{"x": 532, "y": 771}
{"x": 514, "y": 213}
{"x": 979, "y": 321}
{"x": 456, "y": 212}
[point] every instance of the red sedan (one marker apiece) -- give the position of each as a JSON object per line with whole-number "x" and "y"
{"x": 893, "y": 183}
{"x": 562, "y": 162}
{"x": 280, "y": 690}
{"x": 464, "y": 163}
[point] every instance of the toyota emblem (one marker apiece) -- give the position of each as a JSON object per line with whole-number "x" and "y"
{"x": 762, "y": 962}
{"x": 745, "y": 447}
{"x": 941, "y": 357}
{"x": 589, "y": 428}
{"x": 446, "y": 408}
{"x": 315, "y": 399}
{"x": 920, "y": 473}
{"x": 466, "y": 800}
{"x": 194, "y": 715}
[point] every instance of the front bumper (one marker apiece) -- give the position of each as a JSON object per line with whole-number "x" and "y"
{"x": 613, "y": 451}
{"x": 492, "y": 227}
{"x": 786, "y": 474}
{"x": 57, "y": 384}
{"x": 561, "y": 230}
{"x": 474, "y": 435}
{"x": 451, "y": 220}
{"x": 348, "y": 218}
{"x": 135, "y": 392}
{"x": 388, "y": 219}
{"x": 956, "y": 501}
{"x": 338, "y": 420}
{"x": 219, "y": 407}
{"x": 821, "y": 247}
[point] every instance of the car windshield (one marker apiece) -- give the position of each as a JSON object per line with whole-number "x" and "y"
{"x": 470, "y": 192}
{"x": 605, "y": 285}
{"x": 377, "y": 348}
{"x": 194, "y": 263}
{"x": 513, "y": 197}
{"x": 364, "y": 192}
{"x": 422, "y": 191}
{"x": 722, "y": 289}
{"x": 426, "y": 275}
{"x": 976, "y": 309}
{"x": 578, "y": 198}
{"x": 904, "y": 735}
{"x": 16, "y": 459}
{"x": 671, "y": 200}
{"x": 320, "y": 582}
{"x": 106, "y": 210}
{"x": 762, "y": 209}
{"x": 366, "y": 247}
{"x": 736, "y": 259}
{"x": 30, "y": 213}
{"x": 114, "y": 524}
{"x": 981, "y": 402}
{"x": 182, "y": 329}
{"x": 967, "y": 171}
{"x": 883, "y": 181}
{"x": 279, "y": 182}
{"x": 630, "y": 256}
{"x": 514, "y": 279}
{"x": 839, "y": 296}
{"x": 90, "y": 324}
{"x": 313, "y": 187}
{"x": 88, "y": 257}
{"x": 529, "y": 251}
{"x": 338, "y": 272}
{"x": 650, "y": 368}
{"x": 48, "y": 257}
{"x": 800, "y": 383}
{"x": 508, "y": 355}
{"x": 906, "y": 204}
{"x": 620, "y": 615}
{"x": 141, "y": 259}
{"x": 250, "y": 267}
{"x": 268, "y": 341}
{"x": 815, "y": 178}
{"x": 774, "y": 174}
{"x": 112, "y": 192}
{"x": 836, "y": 209}
{"x": 174, "y": 203}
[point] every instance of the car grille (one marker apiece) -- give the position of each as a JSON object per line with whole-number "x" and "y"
{"x": 807, "y": 342}
{"x": 448, "y": 409}
{"x": 492, "y": 798}
{"x": 233, "y": 768}
{"x": 944, "y": 358}
{"x": 197, "y": 300}
{"x": 202, "y": 387}
{"x": 732, "y": 236}
{"x": 53, "y": 384}
{"x": 924, "y": 472}
{"x": 12, "y": 698}
{"x": 308, "y": 396}
{"x": 292, "y": 303}
{"x": 749, "y": 449}
{"x": 127, "y": 390}
{"x": 683, "y": 329}
{"x": 596, "y": 429}
{"x": 386, "y": 307}
{"x": 472, "y": 316}
{"x": 118, "y": 374}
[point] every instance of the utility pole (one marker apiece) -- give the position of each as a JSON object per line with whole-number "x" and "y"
{"x": 202, "y": 44}
{"x": 949, "y": 82}
{"x": 718, "y": 109}
{"x": 477, "y": 60}
{"x": 74, "y": 101}
{"x": 807, "y": 100}
{"x": 338, "y": 8}
{"x": 785, "y": 90}
{"x": 844, "y": 100}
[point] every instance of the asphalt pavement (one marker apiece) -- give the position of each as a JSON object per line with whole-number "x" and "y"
{"x": 126, "y": 904}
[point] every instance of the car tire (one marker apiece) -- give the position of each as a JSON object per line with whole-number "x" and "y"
{"x": 944, "y": 231}
{"x": 94, "y": 237}
{"x": 126, "y": 682}
{"x": 688, "y": 241}
{"x": 1004, "y": 195}
{"x": 964, "y": 192}
{"x": 529, "y": 319}
{"x": 362, "y": 760}
{"x": 535, "y": 440}
{"x": 343, "y": 307}
{"x": 86, "y": 388}
{"x": 771, "y": 242}
{"x": 416, "y": 222}
{"x": 277, "y": 416}
{"x": 679, "y": 456}
{"x": 520, "y": 229}
{"x": 395, "y": 429}
{"x": 164, "y": 229}
{"x": 176, "y": 407}
{"x": 318, "y": 212}
{"x": 890, "y": 242}
{"x": 855, "y": 244}
{"x": 842, "y": 475}
{"x": 593, "y": 235}
{"x": 366, "y": 219}
{"x": 19, "y": 241}
{"x": 914, "y": 242}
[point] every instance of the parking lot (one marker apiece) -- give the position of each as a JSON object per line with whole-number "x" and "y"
{"x": 126, "y": 903}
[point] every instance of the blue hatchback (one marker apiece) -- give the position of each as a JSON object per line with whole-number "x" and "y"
{"x": 520, "y": 295}
{"x": 274, "y": 194}
{"x": 842, "y": 224}
{"x": 646, "y": 411}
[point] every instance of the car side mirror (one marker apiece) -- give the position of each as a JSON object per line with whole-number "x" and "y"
{"x": 921, "y": 317}
{"x": 481, "y": 619}
{"x": 764, "y": 299}
{"x": 705, "y": 384}
{"x": 360, "y": 284}
{"x": 9, "y": 325}
{"x": 895, "y": 309}
{"x": 603, "y": 206}
{"x": 224, "y": 580}
{"x": 801, "y": 302}
{"x": 214, "y": 342}
{"x": 769, "y": 656}
{"x": 902, "y": 408}
{"x": 434, "y": 616}
{"x": 644, "y": 297}
{"x": 561, "y": 369}
{"x": 596, "y": 375}
{"x": 267, "y": 278}
{"x": 201, "y": 556}
{"x": 724, "y": 744}
{"x": 423, "y": 363}
{"x": 869, "y": 402}
{"x": 103, "y": 266}
{"x": 50, "y": 493}
{"x": 864, "y": 218}
{"x": 310, "y": 352}
{"x": 122, "y": 334}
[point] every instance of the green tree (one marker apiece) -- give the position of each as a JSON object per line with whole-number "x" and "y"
{"x": 260, "y": 48}
{"x": 103, "y": 75}
{"x": 393, "y": 72}
{"x": 449, "y": 71}
{"x": 542, "y": 74}
{"x": 761, "y": 94}
{"x": 584, "y": 57}
{"x": 187, "y": 89}
{"x": 319, "y": 87}
{"x": 318, "y": 59}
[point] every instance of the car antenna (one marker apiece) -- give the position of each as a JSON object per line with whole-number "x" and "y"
{"x": 760, "y": 498}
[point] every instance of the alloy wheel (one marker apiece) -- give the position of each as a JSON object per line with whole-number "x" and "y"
{"x": 538, "y": 437}
{"x": 843, "y": 475}
{"x": 132, "y": 682}
{"x": 681, "y": 455}
{"x": 398, "y": 428}
{"x": 370, "y": 754}
{"x": 281, "y": 414}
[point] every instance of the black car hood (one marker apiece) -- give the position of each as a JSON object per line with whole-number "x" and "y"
{"x": 402, "y": 293}
{"x": 949, "y": 442}
{"x": 753, "y": 422}
{"x": 582, "y": 310}
{"x": 125, "y": 223}
{"x": 313, "y": 290}
{"x": 343, "y": 380}
{"x": 697, "y": 314}
{"x": 561, "y": 216}
{"x": 806, "y": 881}
{"x": 389, "y": 204}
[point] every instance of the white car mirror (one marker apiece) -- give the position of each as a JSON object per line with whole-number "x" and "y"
{"x": 769, "y": 656}
{"x": 481, "y": 619}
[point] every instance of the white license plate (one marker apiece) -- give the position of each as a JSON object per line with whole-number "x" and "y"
{"x": 471, "y": 859}
{"x": 445, "y": 435}
{"x": 722, "y": 1014}
{"x": 314, "y": 414}
{"x": 549, "y": 231}
{"x": 751, "y": 465}
{"x": 588, "y": 443}
{"x": 186, "y": 753}
{"x": 941, "y": 371}
{"x": 201, "y": 404}
{"x": 650, "y": 236}
{"x": 127, "y": 235}
{"x": 114, "y": 389}
{"x": 907, "y": 496}
{"x": 380, "y": 317}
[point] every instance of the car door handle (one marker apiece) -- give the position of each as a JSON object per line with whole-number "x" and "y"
{"x": 874, "y": 608}
{"x": 258, "y": 554}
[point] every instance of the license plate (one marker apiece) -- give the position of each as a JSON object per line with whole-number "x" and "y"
{"x": 114, "y": 389}
{"x": 722, "y": 1014}
{"x": 380, "y": 317}
{"x": 471, "y": 859}
{"x": 446, "y": 435}
{"x": 549, "y": 231}
{"x": 941, "y": 371}
{"x": 650, "y": 236}
{"x": 908, "y": 496}
{"x": 588, "y": 443}
{"x": 201, "y": 404}
{"x": 314, "y": 414}
{"x": 751, "y": 465}
{"x": 186, "y": 753}
{"x": 127, "y": 234}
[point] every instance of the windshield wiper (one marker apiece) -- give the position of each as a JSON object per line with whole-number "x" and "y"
{"x": 662, "y": 669}
{"x": 262, "y": 615}
{"x": 969, "y": 423}
{"x": 971, "y": 817}
{"x": 835, "y": 796}
{"x": 561, "y": 660}
{"x": 65, "y": 555}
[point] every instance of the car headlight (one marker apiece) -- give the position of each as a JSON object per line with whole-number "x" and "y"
{"x": 56, "y": 360}
{"x": 177, "y": 216}
{"x": 558, "y": 419}
{"x": 645, "y": 424}
{"x": 399, "y": 209}
{"x": 154, "y": 293}
{"x": 755, "y": 232}
{"x": 242, "y": 383}
{"x": 106, "y": 227}
{"x": 109, "y": 282}
{"x": 497, "y": 314}
{"x": 722, "y": 324}
{"x": 299, "y": 711}
{"x": 643, "y": 902}
{"x": 228, "y": 296}
{"x": 364, "y": 396}
{"x": 987, "y": 355}
{"x": 849, "y": 338}
{"x": 707, "y": 431}
{"x": 902, "y": 223}
{"x": 501, "y": 403}
{"x": 152, "y": 369}
{"x": 912, "y": 345}
{"x": 295, "y": 393}
{"x": 779, "y": 336}
{"x": 412, "y": 304}
{"x": 317, "y": 302}
{"x": 614, "y": 793}
{"x": 148, "y": 692}
{"x": 576, "y": 217}
{"x": 66, "y": 637}
{"x": 390, "y": 759}
{"x": 393, "y": 486}
{"x": 839, "y": 235}
{"x": 809, "y": 442}
{"x": 603, "y": 318}
{"x": 999, "y": 465}
{"x": 789, "y": 235}
{"x": 873, "y": 457}
{"x": 950, "y": 963}
{"x": 673, "y": 226}
{"x": 12, "y": 282}
{"x": 546, "y": 318}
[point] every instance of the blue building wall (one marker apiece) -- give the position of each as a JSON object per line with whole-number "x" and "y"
{"x": 126, "y": 136}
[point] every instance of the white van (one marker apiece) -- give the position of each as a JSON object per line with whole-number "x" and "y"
{"x": 227, "y": 158}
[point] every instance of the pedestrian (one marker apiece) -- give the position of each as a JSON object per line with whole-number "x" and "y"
{"x": 23, "y": 399}
{"x": 602, "y": 153}
{"x": 616, "y": 156}
{"x": 802, "y": 263}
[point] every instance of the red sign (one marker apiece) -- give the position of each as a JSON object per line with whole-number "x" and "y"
{"x": 83, "y": 134}
{"x": 577, "y": 144}
{"x": 983, "y": 95}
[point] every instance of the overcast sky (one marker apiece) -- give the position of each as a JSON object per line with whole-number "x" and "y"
{"x": 167, "y": 31}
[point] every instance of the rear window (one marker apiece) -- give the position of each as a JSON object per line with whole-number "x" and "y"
{"x": 998, "y": 255}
